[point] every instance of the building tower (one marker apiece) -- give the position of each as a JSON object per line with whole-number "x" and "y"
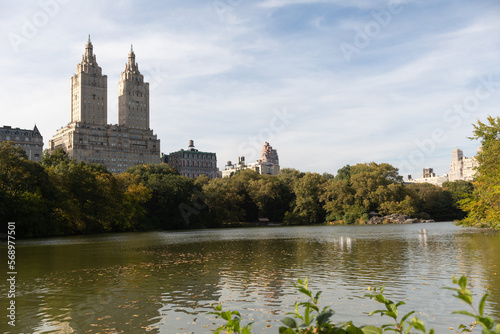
{"x": 89, "y": 138}
{"x": 89, "y": 90}
{"x": 133, "y": 96}
{"x": 456, "y": 166}
{"x": 269, "y": 154}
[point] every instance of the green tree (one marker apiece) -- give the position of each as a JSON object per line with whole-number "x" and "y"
{"x": 433, "y": 202}
{"x": 172, "y": 194}
{"x": 359, "y": 189}
{"x": 55, "y": 158}
{"x": 483, "y": 206}
{"x": 344, "y": 174}
{"x": 271, "y": 196}
{"x": 307, "y": 207}
{"x": 90, "y": 197}
{"x": 224, "y": 201}
{"x": 459, "y": 190}
{"x": 26, "y": 194}
{"x": 13, "y": 168}
{"x": 338, "y": 198}
{"x": 135, "y": 195}
{"x": 375, "y": 184}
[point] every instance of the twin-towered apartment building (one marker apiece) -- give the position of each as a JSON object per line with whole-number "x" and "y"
{"x": 88, "y": 137}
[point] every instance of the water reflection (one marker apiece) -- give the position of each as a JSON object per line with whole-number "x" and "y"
{"x": 167, "y": 282}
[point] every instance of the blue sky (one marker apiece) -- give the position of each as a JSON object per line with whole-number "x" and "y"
{"x": 327, "y": 83}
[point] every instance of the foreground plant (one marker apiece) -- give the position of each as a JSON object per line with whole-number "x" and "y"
{"x": 312, "y": 320}
{"x": 391, "y": 311}
{"x": 486, "y": 322}
{"x": 308, "y": 318}
{"x": 233, "y": 321}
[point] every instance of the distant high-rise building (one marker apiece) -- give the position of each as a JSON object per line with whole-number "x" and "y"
{"x": 89, "y": 138}
{"x": 29, "y": 140}
{"x": 193, "y": 163}
{"x": 428, "y": 172}
{"x": 462, "y": 168}
{"x": 268, "y": 164}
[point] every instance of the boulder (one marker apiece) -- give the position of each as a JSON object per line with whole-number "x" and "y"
{"x": 393, "y": 219}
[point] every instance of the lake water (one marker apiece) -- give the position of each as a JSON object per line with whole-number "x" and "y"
{"x": 166, "y": 282}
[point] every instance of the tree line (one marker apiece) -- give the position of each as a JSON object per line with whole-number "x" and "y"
{"x": 62, "y": 196}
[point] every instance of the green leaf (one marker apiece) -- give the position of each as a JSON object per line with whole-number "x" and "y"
{"x": 316, "y": 298}
{"x": 487, "y": 321}
{"x": 226, "y": 315}
{"x": 314, "y": 307}
{"x": 372, "y": 330}
{"x": 407, "y": 315}
{"x": 377, "y": 311}
{"x": 307, "y": 313}
{"x": 290, "y": 322}
{"x": 393, "y": 310}
{"x": 462, "y": 282}
{"x": 323, "y": 317}
{"x": 235, "y": 324}
{"x": 453, "y": 289}
{"x": 466, "y": 296}
{"x": 497, "y": 329}
{"x": 465, "y": 313}
{"x": 285, "y": 330}
{"x": 305, "y": 291}
{"x": 351, "y": 329}
{"x": 246, "y": 331}
{"x": 408, "y": 329}
{"x": 418, "y": 324}
{"x": 391, "y": 314}
{"x": 481, "y": 305}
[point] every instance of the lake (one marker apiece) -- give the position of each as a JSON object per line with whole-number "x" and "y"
{"x": 166, "y": 282}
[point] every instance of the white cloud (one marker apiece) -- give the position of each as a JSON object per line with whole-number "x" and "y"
{"x": 352, "y": 3}
{"x": 217, "y": 81}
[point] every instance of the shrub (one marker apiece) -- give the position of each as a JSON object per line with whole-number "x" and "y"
{"x": 309, "y": 318}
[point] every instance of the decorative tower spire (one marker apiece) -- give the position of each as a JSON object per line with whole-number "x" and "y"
{"x": 132, "y": 66}
{"x": 89, "y": 53}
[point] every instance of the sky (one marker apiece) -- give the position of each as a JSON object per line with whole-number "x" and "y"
{"x": 326, "y": 82}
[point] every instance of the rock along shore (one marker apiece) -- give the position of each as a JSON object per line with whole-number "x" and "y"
{"x": 396, "y": 219}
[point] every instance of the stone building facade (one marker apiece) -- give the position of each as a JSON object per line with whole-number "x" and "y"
{"x": 193, "y": 163}
{"x": 29, "y": 140}
{"x": 268, "y": 164}
{"x": 89, "y": 138}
